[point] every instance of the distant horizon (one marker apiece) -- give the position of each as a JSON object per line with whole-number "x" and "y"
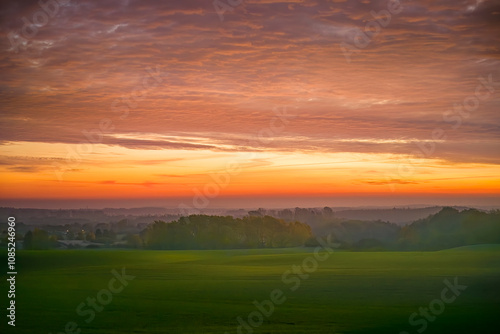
{"x": 250, "y": 203}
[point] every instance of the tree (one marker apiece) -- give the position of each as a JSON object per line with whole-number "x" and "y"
{"x": 98, "y": 234}
{"x": 134, "y": 241}
{"x": 28, "y": 240}
{"x": 39, "y": 239}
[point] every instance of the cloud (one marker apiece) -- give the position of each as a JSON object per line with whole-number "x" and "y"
{"x": 389, "y": 182}
{"x": 28, "y": 164}
{"x": 221, "y": 80}
{"x": 144, "y": 184}
{"x": 24, "y": 169}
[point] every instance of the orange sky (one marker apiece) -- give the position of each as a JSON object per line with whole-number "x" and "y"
{"x": 164, "y": 102}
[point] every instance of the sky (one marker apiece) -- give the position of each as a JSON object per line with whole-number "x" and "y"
{"x": 249, "y": 103}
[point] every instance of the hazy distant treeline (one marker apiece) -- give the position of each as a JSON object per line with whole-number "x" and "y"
{"x": 445, "y": 229}
{"x": 452, "y": 228}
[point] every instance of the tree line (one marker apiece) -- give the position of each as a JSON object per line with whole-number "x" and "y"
{"x": 451, "y": 228}
{"x": 223, "y": 232}
{"x": 445, "y": 229}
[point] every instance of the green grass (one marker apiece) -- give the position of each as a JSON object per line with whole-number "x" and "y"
{"x": 205, "y": 291}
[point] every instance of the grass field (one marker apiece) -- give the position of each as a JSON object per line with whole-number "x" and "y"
{"x": 206, "y": 291}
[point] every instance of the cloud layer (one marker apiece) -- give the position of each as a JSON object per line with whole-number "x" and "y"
{"x": 168, "y": 76}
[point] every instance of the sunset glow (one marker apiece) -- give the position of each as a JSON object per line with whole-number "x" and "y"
{"x": 158, "y": 100}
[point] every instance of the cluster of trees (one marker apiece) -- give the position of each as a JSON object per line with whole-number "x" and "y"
{"x": 452, "y": 228}
{"x": 39, "y": 239}
{"x": 217, "y": 232}
{"x": 446, "y": 229}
